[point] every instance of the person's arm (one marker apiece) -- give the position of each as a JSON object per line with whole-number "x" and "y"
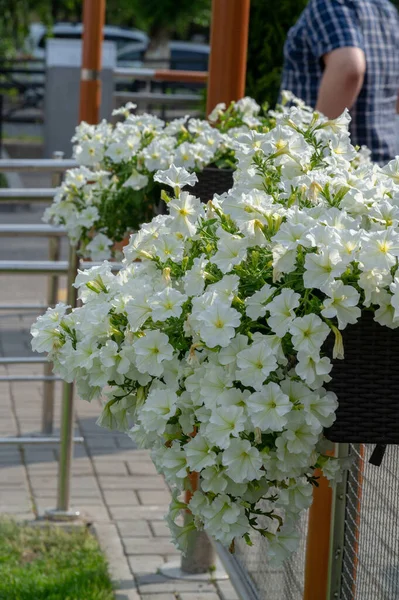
{"x": 342, "y": 80}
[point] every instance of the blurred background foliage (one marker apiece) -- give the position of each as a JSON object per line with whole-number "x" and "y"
{"x": 268, "y": 27}
{"x": 269, "y": 22}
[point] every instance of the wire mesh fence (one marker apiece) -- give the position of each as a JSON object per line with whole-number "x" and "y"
{"x": 370, "y": 569}
{"x": 270, "y": 582}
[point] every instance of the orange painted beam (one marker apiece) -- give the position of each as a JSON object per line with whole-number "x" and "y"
{"x": 228, "y": 58}
{"x": 318, "y": 541}
{"x": 90, "y": 84}
{"x": 181, "y": 76}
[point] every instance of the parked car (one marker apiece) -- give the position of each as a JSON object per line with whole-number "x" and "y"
{"x": 131, "y": 44}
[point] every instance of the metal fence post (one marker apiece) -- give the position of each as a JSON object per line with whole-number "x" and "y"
{"x": 338, "y": 513}
{"x": 54, "y": 244}
{"x": 63, "y": 511}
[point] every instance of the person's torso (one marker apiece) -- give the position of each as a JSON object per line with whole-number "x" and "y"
{"x": 373, "y": 116}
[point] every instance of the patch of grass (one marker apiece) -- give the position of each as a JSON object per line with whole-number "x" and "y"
{"x": 49, "y": 563}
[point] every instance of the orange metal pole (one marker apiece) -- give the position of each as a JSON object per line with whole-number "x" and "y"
{"x": 228, "y": 58}
{"x": 318, "y": 541}
{"x": 90, "y": 84}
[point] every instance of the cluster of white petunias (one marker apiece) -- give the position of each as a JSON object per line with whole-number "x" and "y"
{"x": 113, "y": 191}
{"x": 212, "y": 338}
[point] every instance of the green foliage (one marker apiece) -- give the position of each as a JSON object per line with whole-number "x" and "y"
{"x": 269, "y": 24}
{"x": 173, "y": 16}
{"x": 51, "y": 564}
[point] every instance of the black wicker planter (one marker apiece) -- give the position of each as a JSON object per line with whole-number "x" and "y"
{"x": 212, "y": 181}
{"x": 366, "y": 382}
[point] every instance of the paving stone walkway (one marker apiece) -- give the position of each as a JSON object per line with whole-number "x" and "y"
{"x": 114, "y": 484}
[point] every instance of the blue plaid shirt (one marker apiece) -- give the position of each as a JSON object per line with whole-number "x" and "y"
{"x": 373, "y": 26}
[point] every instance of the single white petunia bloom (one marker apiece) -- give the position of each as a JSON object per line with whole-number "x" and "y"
{"x": 308, "y": 334}
{"x": 159, "y": 407}
{"x": 185, "y": 211}
{"x": 300, "y": 437}
{"x": 213, "y": 480}
{"x": 169, "y": 247}
{"x": 282, "y": 311}
{"x": 322, "y": 268}
{"x": 319, "y": 408}
{"x": 255, "y": 304}
{"x": 138, "y": 309}
{"x": 268, "y": 407}
{"x": 298, "y": 496}
{"x": 216, "y": 381}
{"x": 232, "y": 249}
{"x": 313, "y": 370}
{"x": 228, "y": 355}
{"x": 99, "y": 247}
{"x": 242, "y": 461}
{"x": 194, "y": 279}
{"x": 199, "y": 453}
{"x": 224, "y": 423}
{"x": 218, "y": 323}
{"x": 176, "y": 177}
{"x": 174, "y": 463}
{"x": 342, "y": 304}
{"x": 46, "y": 331}
{"x": 151, "y": 350}
{"x": 166, "y": 304}
{"x": 379, "y": 249}
{"x": 255, "y": 364}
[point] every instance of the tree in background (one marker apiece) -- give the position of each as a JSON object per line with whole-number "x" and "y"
{"x": 268, "y": 27}
{"x": 161, "y": 19}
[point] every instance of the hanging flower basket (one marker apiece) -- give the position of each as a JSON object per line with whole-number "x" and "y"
{"x": 212, "y": 180}
{"x": 367, "y": 385}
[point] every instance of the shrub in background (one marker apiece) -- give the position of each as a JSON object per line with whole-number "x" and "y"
{"x": 268, "y": 27}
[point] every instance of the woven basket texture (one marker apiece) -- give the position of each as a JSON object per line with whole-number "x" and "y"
{"x": 212, "y": 181}
{"x": 366, "y": 382}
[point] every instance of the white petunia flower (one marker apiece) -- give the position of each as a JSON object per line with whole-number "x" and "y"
{"x": 268, "y": 407}
{"x": 255, "y": 364}
{"x": 313, "y": 370}
{"x": 176, "y": 178}
{"x": 342, "y": 303}
{"x": 242, "y": 461}
{"x": 322, "y": 268}
{"x": 194, "y": 279}
{"x": 151, "y": 350}
{"x": 282, "y": 311}
{"x": 166, "y": 304}
{"x": 199, "y": 453}
{"x": 159, "y": 407}
{"x": 185, "y": 211}
{"x": 224, "y": 423}
{"x": 308, "y": 334}
{"x": 255, "y": 304}
{"x": 218, "y": 323}
{"x": 99, "y": 247}
{"x": 231, "y": 250}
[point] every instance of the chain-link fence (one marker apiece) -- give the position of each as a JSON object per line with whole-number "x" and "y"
{"x": 366, "y": 565}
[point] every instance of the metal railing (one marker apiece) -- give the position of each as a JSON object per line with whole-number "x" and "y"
{"x": 53, "y": 268}
{"x": 148, "y": 97}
